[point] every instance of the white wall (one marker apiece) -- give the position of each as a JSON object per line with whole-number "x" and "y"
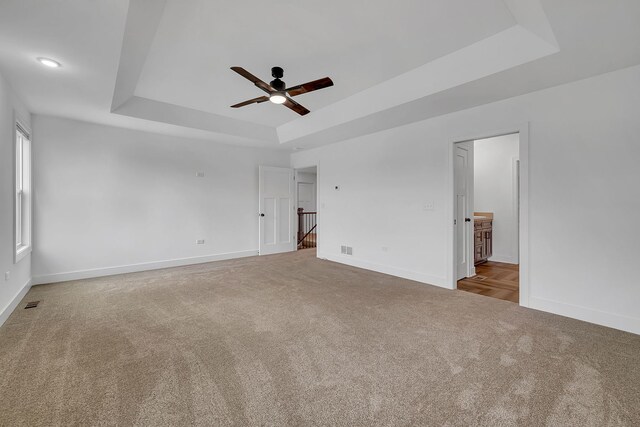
{"x": 110, "y": 200}
{"x": 12, "y": 290}
{"x": 495, "y": 186}
{"x": 584, "y": 155}
{"x": 309, "y": 178}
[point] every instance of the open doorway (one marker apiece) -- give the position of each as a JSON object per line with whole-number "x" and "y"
{"x": 487, "y": 216}
{"x": 307, "y": 196}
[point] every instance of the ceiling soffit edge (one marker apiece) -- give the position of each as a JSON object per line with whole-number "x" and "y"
{"x": 531, "y": 39}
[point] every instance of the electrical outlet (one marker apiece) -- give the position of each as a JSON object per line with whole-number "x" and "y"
{"x": 7, "y": 275}
{"x": 200, "y": 174}
{"x": 200, "y": 242}
{"x": 385, "y": 249}
{"x": 429, "y": 206}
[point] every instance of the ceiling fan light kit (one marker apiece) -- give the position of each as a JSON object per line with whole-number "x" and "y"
{"x": 277, "y": 90}
{"x": 278, "y": 97}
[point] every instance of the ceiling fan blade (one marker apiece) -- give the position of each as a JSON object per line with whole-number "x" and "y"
{"x": 251, "y": 101}
{"x": 310, "y": 86}
{"x": 290, "y": 103}
{"x": 253, "y": 79}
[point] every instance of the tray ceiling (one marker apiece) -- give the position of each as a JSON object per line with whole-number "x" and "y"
{"x": 163, "y": 65}
{"x": 358, "y": 44}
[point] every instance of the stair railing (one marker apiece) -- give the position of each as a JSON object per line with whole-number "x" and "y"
{"x": 307, "y": 237}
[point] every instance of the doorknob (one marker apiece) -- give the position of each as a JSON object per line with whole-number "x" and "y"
{"x": 467, "y": 220}
{"x": 261, "y": 214}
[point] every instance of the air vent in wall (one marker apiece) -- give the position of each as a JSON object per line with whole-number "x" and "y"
{"x": 347, "y": 250}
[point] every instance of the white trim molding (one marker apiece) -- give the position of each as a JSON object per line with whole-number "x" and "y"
{"x": 504, "y": 258}
{"x": 611, "y": 320}
{"x": 6, "y": 312}
{"x": 440, "y": 282}
{"x": 134, "y": 268}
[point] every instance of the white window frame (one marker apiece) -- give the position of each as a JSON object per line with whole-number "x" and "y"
{"x": 23, "y": 191}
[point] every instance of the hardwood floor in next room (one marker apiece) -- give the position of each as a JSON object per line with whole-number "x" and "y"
{"x": 494, "y": 279}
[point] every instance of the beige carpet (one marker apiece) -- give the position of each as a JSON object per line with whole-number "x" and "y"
{"x": 293, "y": 340}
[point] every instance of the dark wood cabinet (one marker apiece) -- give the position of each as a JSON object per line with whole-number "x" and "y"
{"x": 482, "y": 237}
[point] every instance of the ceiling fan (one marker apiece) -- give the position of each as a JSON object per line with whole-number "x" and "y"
{"x": 276, "y": 89}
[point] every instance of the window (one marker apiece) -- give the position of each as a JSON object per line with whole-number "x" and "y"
{"x": 23, "y": 193}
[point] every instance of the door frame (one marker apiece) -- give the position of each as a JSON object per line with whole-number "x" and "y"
{"x": 523, "y": 230}
{"x": 296, "y": 168}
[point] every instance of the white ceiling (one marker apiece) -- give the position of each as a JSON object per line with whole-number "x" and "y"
{"x": 163, "y": 65}
{"x": 357, "y": 43}
{"x": 84, "y": 36}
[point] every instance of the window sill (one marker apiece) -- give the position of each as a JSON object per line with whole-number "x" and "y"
{"x": 22, "y": 252}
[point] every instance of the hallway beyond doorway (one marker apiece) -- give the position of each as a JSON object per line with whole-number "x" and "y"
{"x": 307, "y": 202}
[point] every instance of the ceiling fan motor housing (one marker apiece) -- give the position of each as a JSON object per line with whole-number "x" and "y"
{"x": 277, "y": 84}
{"x": 277, "y": 72}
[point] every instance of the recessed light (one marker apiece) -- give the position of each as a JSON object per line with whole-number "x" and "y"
{"x": 49, "y": 62}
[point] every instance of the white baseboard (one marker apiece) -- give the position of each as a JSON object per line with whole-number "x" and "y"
{"x": 612, "y": 320}
{"x": 133, "y": 268}
{"x": 505, "y": 259}
{"x": 393, "y": 271}
{"x": 6, "y": 312}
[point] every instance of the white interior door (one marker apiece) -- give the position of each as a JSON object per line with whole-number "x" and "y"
{"x": 463, "y": 176}
{"x": 277, "y": 209}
